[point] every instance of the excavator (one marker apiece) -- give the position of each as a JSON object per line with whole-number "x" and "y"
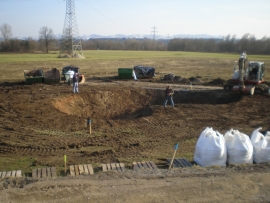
{"x": 248, "y": 77}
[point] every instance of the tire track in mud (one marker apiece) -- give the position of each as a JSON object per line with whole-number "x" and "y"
{"x": 135, "y": 131}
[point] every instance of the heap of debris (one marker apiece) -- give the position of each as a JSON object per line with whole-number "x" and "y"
{"x": 217, "y": 82}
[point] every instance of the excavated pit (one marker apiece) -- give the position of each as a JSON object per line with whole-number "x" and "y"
{"x": 134, "y": 103}
{"x": 128, "y": 123}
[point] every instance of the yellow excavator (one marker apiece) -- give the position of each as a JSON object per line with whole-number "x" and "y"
{"x": 248, "y": 77}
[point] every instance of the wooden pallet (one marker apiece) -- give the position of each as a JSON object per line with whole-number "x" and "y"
{"x": 48, "y": 172}
{"x": 179, "y": 163}
{"x": 113, "y": 167}
{"x": 84, "y": 169}
{"x": 144, "y": 165}
{"x": 11, "y": 174}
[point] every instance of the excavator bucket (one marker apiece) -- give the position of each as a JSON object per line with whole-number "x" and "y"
{"x": 245, "y": 89}
{"x": 81, "y": 79}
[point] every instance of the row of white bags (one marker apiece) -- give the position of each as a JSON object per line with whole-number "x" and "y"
{"x": 212, "y": 148}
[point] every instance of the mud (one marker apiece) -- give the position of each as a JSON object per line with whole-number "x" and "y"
{"x": 129, "y": 123}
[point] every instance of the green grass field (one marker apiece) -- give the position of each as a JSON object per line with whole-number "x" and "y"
{"x": 106, "y": 63}
{"x": 120, "y": 55}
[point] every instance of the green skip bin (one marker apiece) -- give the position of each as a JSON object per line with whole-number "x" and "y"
{"x": 125, "y": 73}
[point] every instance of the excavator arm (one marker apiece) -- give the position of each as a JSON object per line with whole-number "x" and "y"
{"x": 242, "y": 64}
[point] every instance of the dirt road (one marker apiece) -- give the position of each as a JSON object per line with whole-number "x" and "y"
{"x": 235, "y": 184}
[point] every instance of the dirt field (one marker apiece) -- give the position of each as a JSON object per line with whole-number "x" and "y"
{"x": 42, "y": 123}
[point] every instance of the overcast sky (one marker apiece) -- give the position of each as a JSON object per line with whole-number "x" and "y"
{"x": 170, "y": 17}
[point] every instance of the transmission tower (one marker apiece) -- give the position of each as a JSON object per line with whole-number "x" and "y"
{"x": 70, "y": 40}
{"x": 154, "y": 32}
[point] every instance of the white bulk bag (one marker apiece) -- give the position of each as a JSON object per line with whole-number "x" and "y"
{"x": 210, "y": 149}
{"x": 261, "y": 146}
{"x": 239, "y": 148}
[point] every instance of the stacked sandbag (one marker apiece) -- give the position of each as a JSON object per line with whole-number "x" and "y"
{"x": 210, "y": 149}
{"x": 239, "y": 148}
{"x": 261, "y": 146}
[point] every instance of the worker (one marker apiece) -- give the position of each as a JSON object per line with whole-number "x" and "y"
{"x": 75, "y": 80}
{"x": 254, "y": 72}
{"x": 169, "y": 96}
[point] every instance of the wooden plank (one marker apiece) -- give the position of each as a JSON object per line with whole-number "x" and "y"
{"x": 113, "y": 166}
{"x": 81, "y": 170}
{"x": 90, "y": 169}
{"x": 109, "y": 168}
{"x": 168, "y": 161}
{"x": 122, "y": 166}
{"x": 86, "y": 171}
{"x": 4, "y": 174}
{"x": 44, "y": 173}
{"x": 144, "y": 165}
{"x": 154, "y": 166}
{"x": 149, "y": 165}
{"x": 118, "y": 167}
{"x": 135, "y": 166}
{"x": 39, "y": 173}
{"x": 8, "y": 174}
{"x": 13, "y": 174}
{"x": 19, "y": 173}
{"x": 53, "y": 171}
{"x": 104, "y": 167}
{"x": 178, "y": 163}
{"x": 49, "y": 173}
{"x": 76, "y": 170}
{"x": 34, "y": 173}
{"x": 175, "y": 164}
{"x": 184, "y": 163}
{"x": 140, "y": 165}
{"x": 71, "y": 170}
{"x": 188, "y": 162}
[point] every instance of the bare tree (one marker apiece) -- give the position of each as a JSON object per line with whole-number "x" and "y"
{"x": 46, "y": 37}
{"x": 6, "y": 31}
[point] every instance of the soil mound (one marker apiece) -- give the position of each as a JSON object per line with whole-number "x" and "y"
{"x": 217, "y": 82}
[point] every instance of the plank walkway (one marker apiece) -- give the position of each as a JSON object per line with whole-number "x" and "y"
{"x": 48, "y": 172}
{"x": 113, "y": 167}
{"x": 179, "y": 163}
{"x": 84, "y": 169}
{"x": 150, "y": 165}
{"x": 12, "y": 174}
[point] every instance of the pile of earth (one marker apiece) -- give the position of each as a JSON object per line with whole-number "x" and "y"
{"x": 69, "y": 56}
{"x": 178, "y": 79}
{"x": 217, "y": 82}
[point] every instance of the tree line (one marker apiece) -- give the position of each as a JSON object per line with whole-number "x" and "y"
{"x": 48, "y": 42}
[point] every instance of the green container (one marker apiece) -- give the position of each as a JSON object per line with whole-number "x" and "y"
{"x": 35, "y": 76}
{"x": 125, "y": 73}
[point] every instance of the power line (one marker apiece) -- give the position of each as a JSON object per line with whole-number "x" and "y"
{"x": 102, "y": 14}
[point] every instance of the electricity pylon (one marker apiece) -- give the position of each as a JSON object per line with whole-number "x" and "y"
{"x": 70, "y": 40}
{"x": 154, "y": 30}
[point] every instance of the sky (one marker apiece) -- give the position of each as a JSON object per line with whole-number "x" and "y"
{"x": 167, "y": 17}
